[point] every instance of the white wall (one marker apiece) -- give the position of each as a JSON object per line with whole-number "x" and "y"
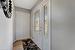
{"x": 14, "y": 25}
{"x": 6, "y": 32}
{"x": 63, "y": 24}
{"x": 22, "y": 23}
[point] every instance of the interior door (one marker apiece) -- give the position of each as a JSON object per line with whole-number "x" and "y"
{"x": 41, "y": 27}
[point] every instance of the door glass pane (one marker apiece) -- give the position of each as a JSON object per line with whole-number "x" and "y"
{"x": 36, "y": 20}
{"x": 46, "y": 19}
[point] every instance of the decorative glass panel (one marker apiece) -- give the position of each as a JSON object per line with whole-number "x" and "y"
{"x": 36, "y": 20}
{"x": 46, "y": 19}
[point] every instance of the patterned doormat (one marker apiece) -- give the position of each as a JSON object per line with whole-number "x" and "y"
{"x": 26, "y": 44}
{"x": 29, "y": 45}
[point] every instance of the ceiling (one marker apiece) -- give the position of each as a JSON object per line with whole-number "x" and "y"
{"x": 27, "y": 4}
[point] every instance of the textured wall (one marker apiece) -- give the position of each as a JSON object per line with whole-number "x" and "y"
{"x": 6, "y": 32}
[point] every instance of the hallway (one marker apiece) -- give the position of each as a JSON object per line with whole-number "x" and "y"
{"x": 37, "y": 24}
{"x": 24, "y": 24}
{"x": 29, "y": 22}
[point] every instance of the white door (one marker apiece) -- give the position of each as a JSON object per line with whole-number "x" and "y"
{"x": 44, "y": 27}
{"x": 41, "y": 26}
